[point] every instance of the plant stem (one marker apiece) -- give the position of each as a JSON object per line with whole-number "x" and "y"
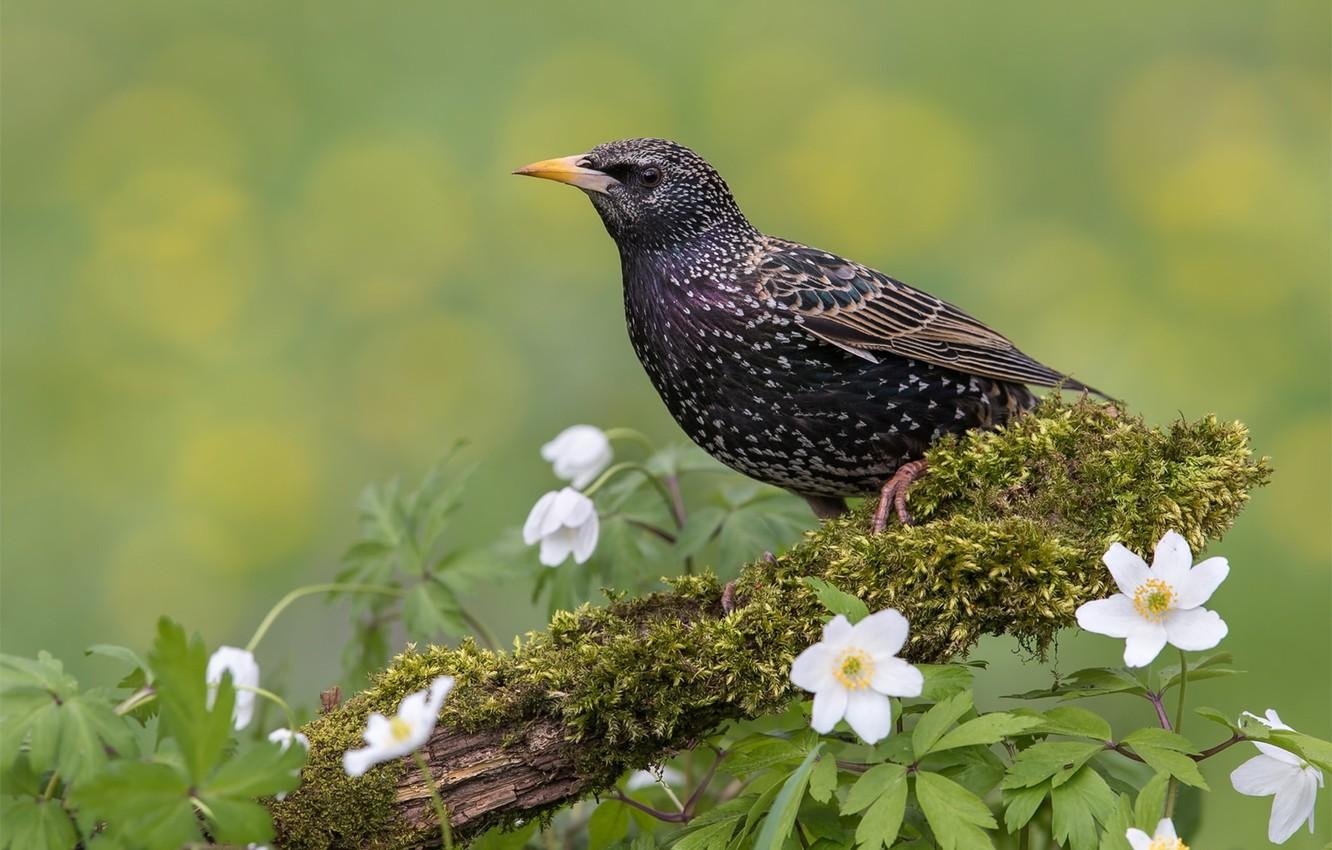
{"x": 1155, "y": 700}
{"x": 487, "y": 636}
{"x": 678, "y": 511}
{"x": 1224, "y": 745}
{"x": 1183, "y": 686}
{"x": 445, "y": 830}
{"x": 629, "y": 434}
{"x": 51, "y": 786}
{"x": 650, "y": 528}
{"x": 309, "y": 590}
{"x": 666, "y": 817}
{"x": 274, "y": 698}
{"x": 140, "y": 697}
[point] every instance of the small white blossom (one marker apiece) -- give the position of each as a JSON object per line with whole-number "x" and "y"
{"x": 1159, "y": 604}
{"x": 1164, "y": 839}
{"x": 283, "y": 737}
{"x": 392, "y": 737}
{"x": 641, "y": 779}
{"x": 244, "y": 672}
{"x": 854, "y": 670}
{"x": 1290, "y": 780}
{"x": 564, "y": 522}
{"x": 579, "y": 453}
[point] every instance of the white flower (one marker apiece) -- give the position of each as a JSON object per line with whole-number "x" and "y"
{"x": 1164, "y": 839}
{"x": 854, "y": 670}
{"x": 244, "y": 672}
{"x": 1159, "y": 604}
{"x": 1292, "y": 781}
{"x": 640, "y": 779}
{"x": 579, "y": 453}
{"x": 564, "y": 522}
{"x": 283, "y": 737}
{"x": 392, "y": 737}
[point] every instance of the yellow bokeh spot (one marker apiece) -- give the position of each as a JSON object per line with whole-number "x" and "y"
{"x": 258, "y": 479}
{"x": 379, "y": 225}
{"x": 149, "y": 129}
{"x": 173, "y": 253}
{"x": 177, "y": 566}
{"x": 421, "y": 384}
{"x": 896, "y": 175}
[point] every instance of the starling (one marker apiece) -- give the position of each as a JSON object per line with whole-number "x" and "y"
{"x": 794, "y": 366}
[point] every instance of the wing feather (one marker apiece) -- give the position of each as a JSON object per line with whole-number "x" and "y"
{"x": 864, "y": 311}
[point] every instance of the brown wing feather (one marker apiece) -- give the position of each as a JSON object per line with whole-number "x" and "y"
{"x": 858, "y": 308}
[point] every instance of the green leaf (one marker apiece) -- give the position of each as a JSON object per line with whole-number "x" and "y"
{"x": 760, "y": 751}
{"x": 1021, "y": 805}
{"x": 499, "y": 838}
{"x": 944, "y": 680}
{"x": 882, "y": 821}
{"x": 148, "y": 801}
{"x": 34, "y": 824}
{"x": 261, "y": 770}
{"x": 781, "y": 819}
{"x": 936, "y": 721}
{"x": 123, "y": 654}
{"x": 1078, "y": 805}
{"x": 238, "y": 822}
{"x": 712, "y": 836}
{"x": 823, "y": 779}
{"x": 431, "y": 610}
{"x": 608, "y": 824}
{"x": 1121, "y": 818}
{"x": 1053, "y": 760}
{"x": 955, "y": 814}
{"x": 1212, "y": 666}
{"x": 836, "y": 600}
{"x": 1313, "y": 750}
{"x": 200, "y": 734}
{"x": 986, "y": 729}
{"x": 1150, "y": 805}
{"x": 873, "y": 784}
{"x": 975, "y": 768}
{"x": 1167, "y": 751}
{"x": 87, "y": 726}
{"x": 1216, "y": 717}
{"x": 1091, "y": 682}
{"x": 1071, "y": 720}
{"x": 699, "y": 530}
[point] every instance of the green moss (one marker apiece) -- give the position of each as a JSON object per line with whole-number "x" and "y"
{"x": 1011, "y": 527}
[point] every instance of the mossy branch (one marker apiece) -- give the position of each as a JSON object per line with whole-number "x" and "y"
{"x": 1012, "y": 525}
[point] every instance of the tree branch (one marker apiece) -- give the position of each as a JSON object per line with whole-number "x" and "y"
{"x": 1012, "y": 525}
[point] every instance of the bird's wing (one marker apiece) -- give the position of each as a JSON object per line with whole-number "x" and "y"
{"x": 865, "y": 311}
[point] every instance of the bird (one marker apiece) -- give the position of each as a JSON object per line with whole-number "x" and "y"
{"x": 790, "y": 364}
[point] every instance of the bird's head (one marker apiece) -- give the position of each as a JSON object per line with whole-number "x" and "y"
{"x": 651, "y": 194}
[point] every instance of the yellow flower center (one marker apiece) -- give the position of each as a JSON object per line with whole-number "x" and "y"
{"x": 1167, "y": 844}
{"x": 1152, "y": 600}
{"x": 401, "y": 729}
{"x": 854, "y": 668}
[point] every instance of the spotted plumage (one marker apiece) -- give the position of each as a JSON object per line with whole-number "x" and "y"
{"x": 792, "y": 365}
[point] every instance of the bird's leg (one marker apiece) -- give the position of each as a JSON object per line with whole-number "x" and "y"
{"x": 827, "y": 507}
{"x": 894, "y": 493}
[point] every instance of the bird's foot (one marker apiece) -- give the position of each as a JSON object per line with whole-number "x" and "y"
{"x": 894, "y": 494}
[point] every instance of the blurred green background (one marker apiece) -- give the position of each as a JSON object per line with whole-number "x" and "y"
{"x": 257, "y": 254}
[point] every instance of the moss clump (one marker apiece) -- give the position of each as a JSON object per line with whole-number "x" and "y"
{"x": 1011, "y": 527}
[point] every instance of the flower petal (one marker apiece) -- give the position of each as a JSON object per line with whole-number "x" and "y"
{"x": 1165, "y": 828}
{"x": 1194, "y": 628}
{"x": 1172, "y": 559}
{"x": 1293, "y": 805}
{"x": 1143, "y": 644}
{"x": 882, "y": 633}
{"x": 378, "y": 730}
{"x": 836, "y": 631}
{"x": 357, "y": 762}
{"x": 566, "y": 501}
{"x": 578, "y": 508}
{"x": 1138, "y": 839}
{"x": 1262, "y": 776}
{"x": 536, "y": 518}
{"x": 1115, "y": 616}
{"x": 585, "y": 542}
{"x": 812, "y": 669}
{"x": 440, "y": 687}
{"x": 870, "y": 715}
{"x": 1202, "y": 581}
{"x": 1128, "y": 569}
{"x": 557, "y": 546}
{"x": 895, "y": 677}
{"x": 829, "y": 707}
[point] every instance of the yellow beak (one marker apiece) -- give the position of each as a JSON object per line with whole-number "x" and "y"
{"x": 566, "y": 169}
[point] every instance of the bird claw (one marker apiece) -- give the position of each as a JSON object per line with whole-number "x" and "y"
{"x": 894, "y": 494}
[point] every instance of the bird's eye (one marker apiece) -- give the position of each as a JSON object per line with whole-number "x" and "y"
{"x": 651, "y": 176}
